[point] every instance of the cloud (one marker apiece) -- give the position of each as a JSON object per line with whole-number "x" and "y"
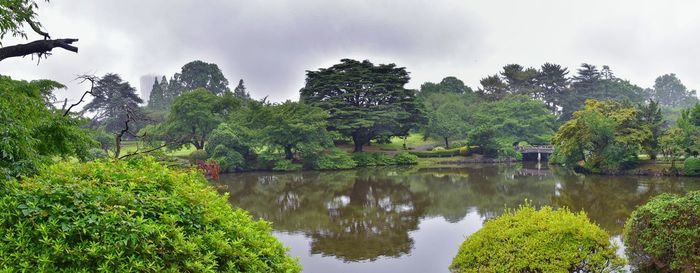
{"x": 270, "y": 44}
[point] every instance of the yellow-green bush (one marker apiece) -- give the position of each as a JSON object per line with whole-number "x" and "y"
{"x": 663, "y": 235}
{"x": 545, "y": 240}
{"x": 132, "y": 215}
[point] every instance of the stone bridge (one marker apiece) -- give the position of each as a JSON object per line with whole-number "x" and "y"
{"x": 539, "y": 152}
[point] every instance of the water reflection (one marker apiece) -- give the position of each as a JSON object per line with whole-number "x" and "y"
{"x": 374, "y": 214}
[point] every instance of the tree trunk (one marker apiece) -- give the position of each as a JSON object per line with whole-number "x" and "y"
{"x": 447, "y": 143}
{"x": 358, "y": 141}
{"x": 118, "y": 148}
{"x": 288, "y": 154}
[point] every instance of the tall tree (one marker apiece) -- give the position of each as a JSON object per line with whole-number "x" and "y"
{"x": 670, "y": 91}
{"x": 493, "y": 88}
{"x": 520, "y": 80}
{"x": 115, "y": 103}
{"x": 363, "y": 100}
{"x": 198, "y": 74}
{"x": 14, "y": 14}
{"x": 448, "y": 84}
{"x": 157, "y": 99}
{"x": 553, "y": 83}
{"x": 447, "y": 122}
{"x": 650, "y": 117}
{"x": 240, "y": 91}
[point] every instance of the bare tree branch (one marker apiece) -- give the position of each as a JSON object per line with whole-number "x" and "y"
{"x": 39, "y": 47}
{"x": 84, "y": 78}
{"x": 143, "y": 152}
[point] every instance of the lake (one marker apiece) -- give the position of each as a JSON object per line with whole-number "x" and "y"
{"x": 413, "y": 220}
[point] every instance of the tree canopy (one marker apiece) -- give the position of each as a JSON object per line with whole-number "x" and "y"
{"x": 363, "y": 100}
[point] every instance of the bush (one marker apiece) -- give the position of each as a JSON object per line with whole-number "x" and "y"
{"x": 364, "y": 159}
{"x": 691, "y": 166}
{"x": 95, "y": 153}
{"x": 335, "y": 159}
{"x": 528, "y": 240}
{"x": 464, "y": 151}
{"x": 132, "y": 215}
{"x": 438, "y": 148}
{"x": 286, "y": 166}
{"x": 405, "y": 158}
{"x": 198, "y": 155}
{"x": 229, "y": 160}
{"x": 439, "y": 153}
{"x": 382, "y": 159}
{"x": 664, "y": 234}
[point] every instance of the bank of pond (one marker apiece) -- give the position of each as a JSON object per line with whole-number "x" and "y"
{"x": 138, "y": 215}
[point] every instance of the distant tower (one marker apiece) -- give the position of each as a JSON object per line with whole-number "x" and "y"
{"x": 145, "y": 86}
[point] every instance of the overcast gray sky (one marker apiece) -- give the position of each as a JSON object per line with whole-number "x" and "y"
{"x": 270, "y": 44}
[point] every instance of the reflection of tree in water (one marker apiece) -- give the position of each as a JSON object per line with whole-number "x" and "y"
{"x": 368, "y": 213}
{"x": 347, "y": 215}
{"x": 609, "y": 201}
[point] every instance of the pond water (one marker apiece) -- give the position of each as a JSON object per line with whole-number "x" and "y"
{"x": 413, "y": 220}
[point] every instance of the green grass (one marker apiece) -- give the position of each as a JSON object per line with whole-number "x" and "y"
{"x": 132, "y": 146}
{"x": 413, "y": 140}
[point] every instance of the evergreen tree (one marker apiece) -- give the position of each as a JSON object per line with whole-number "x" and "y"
{"x": 493, "y": 88}
{"x": 363, "y": 100}
{"x": 650, "y": 116}
{"x": 157, "y": 100}
{"x": 520, "y": 81}
{"x": 240, "y": 92}
{"x": 553, "y": 83}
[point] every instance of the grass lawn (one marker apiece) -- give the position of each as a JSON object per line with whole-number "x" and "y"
{"x": 413, "y": 140}
{"x": 132, "y": 146}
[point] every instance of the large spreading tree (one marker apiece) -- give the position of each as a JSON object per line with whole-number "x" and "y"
{"x": 363, "y": 100}
{"x": 198, "y": 74}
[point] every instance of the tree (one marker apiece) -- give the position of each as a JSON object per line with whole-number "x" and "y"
{"x": 689, "y": 124}
{"x": 448, "y": 84}
{"x": 553, "y": 83}
{"x": 671, "y": 145}
{"x": 33, "y": 134}
{"x": 240, "y": 92}
{"x": 650, "y": 117}
{"x": 670, "y": 91}
{"x": 158, "y": 99}
{"x": 198, "y": 74}
{"x": 605, "y": 135}
{"x": 363, "y": 100}
{"x": 114, "y": 99}
{"x": 192, "y": 117}
{"x": 447, "y": 122}
{"x": 296, "y": 126}
{"x": 493, "y": 88}
{"x": 13, "y": 15}
{"x": 520, "y": 80}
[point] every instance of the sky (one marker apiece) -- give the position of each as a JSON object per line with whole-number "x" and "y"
{"x": 270, "y": 44}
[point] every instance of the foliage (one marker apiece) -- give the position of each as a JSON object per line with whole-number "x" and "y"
{"x": 691, "y": 166}
{"x": 286, "y": 165}
{"x": 229, "y": 146}
{"x": 95, "y": 154}
{"x": 334, "y": 159}
{"x": 650, "y": 117}
{"x": 198, "y": 155}
{"x": 114, "y": 103}
{"x": 437, "y": 153}
{"x": 130, "y": 216}
{"x": 670, "y": 91}
{"x": 193, "y": 116}
{"x": 448, "y": 121}
{"x": 364, "y": 101}
{"x": 32, "y": 133}
{"x": 515, "y": 119}
{"x": 13, "y": 16}
{"x": 198, "y": 74}
{"x": 293, "y": 126}
{"x": 605, "y": 135}
{"x": 671, "y": 144}
{"x": 545, "y": 240}
{"x": 159, "y": 98}
{"x": 664, "y": 234}
{"x": 240, "y": 92}
{"x": 405, "y": 158}
{"x": 689, "y": 124}
{"x": 448, "y": 84}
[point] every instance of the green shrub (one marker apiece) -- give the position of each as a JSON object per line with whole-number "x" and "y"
{"x": 528, "y": 240}
{"x": 228, "y": 159}
{"x": 382, "y": 159}
{"x": 134, "y": 215}
{"x": 438, "y": 148}
{"x": 286, "y": 166}
{"x": 664, "y": 234}
{"x": 334, "y": 159}
{"x": 691, "y": 166}
{"x": 364, "y": 159}
{"x": 439, "y": 153}
{"x": 198, "y": 155}
{"x": 95, "y": 153}
{"x": 404, "y": 158}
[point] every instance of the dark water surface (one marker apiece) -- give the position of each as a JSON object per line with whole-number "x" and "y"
{"x": 413, "y": 220}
